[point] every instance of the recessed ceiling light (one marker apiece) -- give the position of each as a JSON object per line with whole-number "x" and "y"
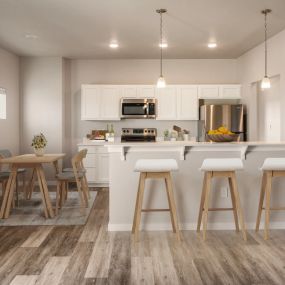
{"x": 113, "y": 45}
{"x": 31, "y": 36}
{"x": 163, "y": 45}
{"x": 212, "y": 45}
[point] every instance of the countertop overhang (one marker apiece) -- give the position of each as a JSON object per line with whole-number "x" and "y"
{"x": 183, "y": 147}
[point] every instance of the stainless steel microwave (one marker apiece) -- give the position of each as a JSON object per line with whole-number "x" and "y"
{"x": 138, "y": 108}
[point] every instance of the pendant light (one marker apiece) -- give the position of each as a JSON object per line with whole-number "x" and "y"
{"x": 265, "y": 83}
{"x": 161, "y": 81}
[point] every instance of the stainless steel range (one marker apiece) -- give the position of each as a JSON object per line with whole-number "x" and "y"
{"x": 138, "y": 135}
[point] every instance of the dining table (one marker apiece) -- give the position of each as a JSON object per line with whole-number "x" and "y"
{"x": 36, "y": 164}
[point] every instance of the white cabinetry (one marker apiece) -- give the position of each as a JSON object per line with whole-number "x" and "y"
{"x": 96, "y": 164}
{"x": 187, "y": 102}
{"x": 230, "y": 91}
{"x": 100, "y": 102}
{"x": 175, "y": 102}
{"x": 166, "y": 100}
{"x": 209, "y": 92}
{"x": 90, "y": 102}
{"x": 138, "y": 91}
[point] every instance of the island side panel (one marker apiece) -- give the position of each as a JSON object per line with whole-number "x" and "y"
{"x": 187, "y": 189}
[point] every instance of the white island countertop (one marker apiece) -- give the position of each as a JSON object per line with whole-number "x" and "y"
{"x": 184, "y": 146}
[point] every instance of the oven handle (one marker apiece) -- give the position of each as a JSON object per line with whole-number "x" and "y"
{"x": 147, "y": 109}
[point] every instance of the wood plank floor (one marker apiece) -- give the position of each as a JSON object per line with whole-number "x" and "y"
{"x": 75, "y": 255}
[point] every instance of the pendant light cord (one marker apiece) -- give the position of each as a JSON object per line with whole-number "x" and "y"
{"x": 160, "y": 44}
{"x": 265, "y": 36}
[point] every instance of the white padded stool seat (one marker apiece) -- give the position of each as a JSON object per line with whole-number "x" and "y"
{"x": 274, "y": 164}
{"x": 156, "y": 165}
{"x": 222, "y": 164}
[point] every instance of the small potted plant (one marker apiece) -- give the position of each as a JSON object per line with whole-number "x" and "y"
{"x": 39, "y": 143}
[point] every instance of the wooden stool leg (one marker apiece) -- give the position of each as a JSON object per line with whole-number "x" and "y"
{"x": 201, "y": 204}
{"x": 261, "y": 200}
{"x": 267, "y": 203}
{"x": 238, "y": 204}
{"x": 234, "y": 204}
{"x": 139, "y": 207}
{"x": 136, "y": 207}
{"x": 173, "y": 212}
{"x": 206, "y": 204}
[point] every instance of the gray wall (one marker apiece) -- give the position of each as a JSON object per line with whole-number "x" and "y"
{"x": 42, "y": 101}
{"x": 9, "y": 79}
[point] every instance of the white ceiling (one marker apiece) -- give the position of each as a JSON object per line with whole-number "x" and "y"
{"x": 84, "y": 28}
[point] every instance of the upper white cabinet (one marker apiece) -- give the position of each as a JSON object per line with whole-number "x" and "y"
{"x": 138, "y": 91}
{"x": 146, "y": 91}
{"x": 166, "y": 103}
{"x": 110, "y": 103}
{"x": 187, "y": 103}
{"x": 209, "y": 92}
{"x": 175, "y": 102}
{"x": 100, "y": 102}
{"x": 231, "y": 91}
{"x": 90, "y": 102}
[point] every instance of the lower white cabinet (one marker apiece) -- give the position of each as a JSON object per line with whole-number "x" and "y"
{"x": 96, "y": 164}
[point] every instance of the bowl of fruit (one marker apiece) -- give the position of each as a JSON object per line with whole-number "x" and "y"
{"x": 222, "y": 134}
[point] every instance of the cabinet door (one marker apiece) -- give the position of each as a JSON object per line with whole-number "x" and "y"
{"x": 146, "y": 91}
{"x": 102, "y": 168}
{"x": 91, "y": 174}
{"x": 90, "y": 102}
{"x": 230, "y": 91}
{"x": 209, "y": 92}
{"x": 129, "y": 91}
{"x": 110, "y": 103}
{"x": 166, "y": 103}
{"x": 187, "y": 103}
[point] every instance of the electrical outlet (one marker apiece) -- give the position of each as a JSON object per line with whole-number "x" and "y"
{"x": 224, "y": 192}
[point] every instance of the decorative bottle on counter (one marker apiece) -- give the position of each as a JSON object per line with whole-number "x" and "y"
{"x": 111, "y": 134}
{"x": 107, "y": 134}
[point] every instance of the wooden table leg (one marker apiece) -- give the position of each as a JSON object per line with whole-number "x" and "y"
{"x": 9, "y": 192}
{"x": 44, "y": 189}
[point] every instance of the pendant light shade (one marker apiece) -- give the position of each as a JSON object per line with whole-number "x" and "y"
{"x": 161, "y": 81}
{"x": 265, "y": 83}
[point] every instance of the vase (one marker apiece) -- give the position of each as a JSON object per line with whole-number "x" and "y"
{"x": 39, "y": 151}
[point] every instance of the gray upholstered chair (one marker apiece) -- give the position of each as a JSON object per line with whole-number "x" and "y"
{"x": 4, "y": 174}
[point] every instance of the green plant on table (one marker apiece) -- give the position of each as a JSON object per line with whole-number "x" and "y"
{"x": 39, "y": 141}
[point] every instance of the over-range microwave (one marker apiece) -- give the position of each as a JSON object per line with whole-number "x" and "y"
{"x": 138, "y": 108}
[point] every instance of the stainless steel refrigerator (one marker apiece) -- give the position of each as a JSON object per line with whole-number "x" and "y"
{"x": 214, "y": 116}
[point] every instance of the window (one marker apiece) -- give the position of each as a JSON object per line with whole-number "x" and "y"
{"x": 2, "y": 103}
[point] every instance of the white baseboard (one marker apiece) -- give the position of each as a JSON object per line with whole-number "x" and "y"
{"x": 190, "y": 226}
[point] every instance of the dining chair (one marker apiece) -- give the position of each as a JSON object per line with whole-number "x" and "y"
{"x": 5, "y": 153}
{"x": 77, "y": 175}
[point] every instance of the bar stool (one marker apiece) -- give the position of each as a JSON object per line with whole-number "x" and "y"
{"x": 221, "y": 167}
{"x": 155, "y": 169}
{"x": 272, "y": 167}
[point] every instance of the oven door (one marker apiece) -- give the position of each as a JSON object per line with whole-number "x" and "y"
{"x": 134, "y": 109}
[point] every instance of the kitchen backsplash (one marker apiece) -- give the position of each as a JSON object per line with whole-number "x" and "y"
{"x": 87, "y": 126}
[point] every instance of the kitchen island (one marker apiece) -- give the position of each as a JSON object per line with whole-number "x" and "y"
{"x": 123, "y": 182}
